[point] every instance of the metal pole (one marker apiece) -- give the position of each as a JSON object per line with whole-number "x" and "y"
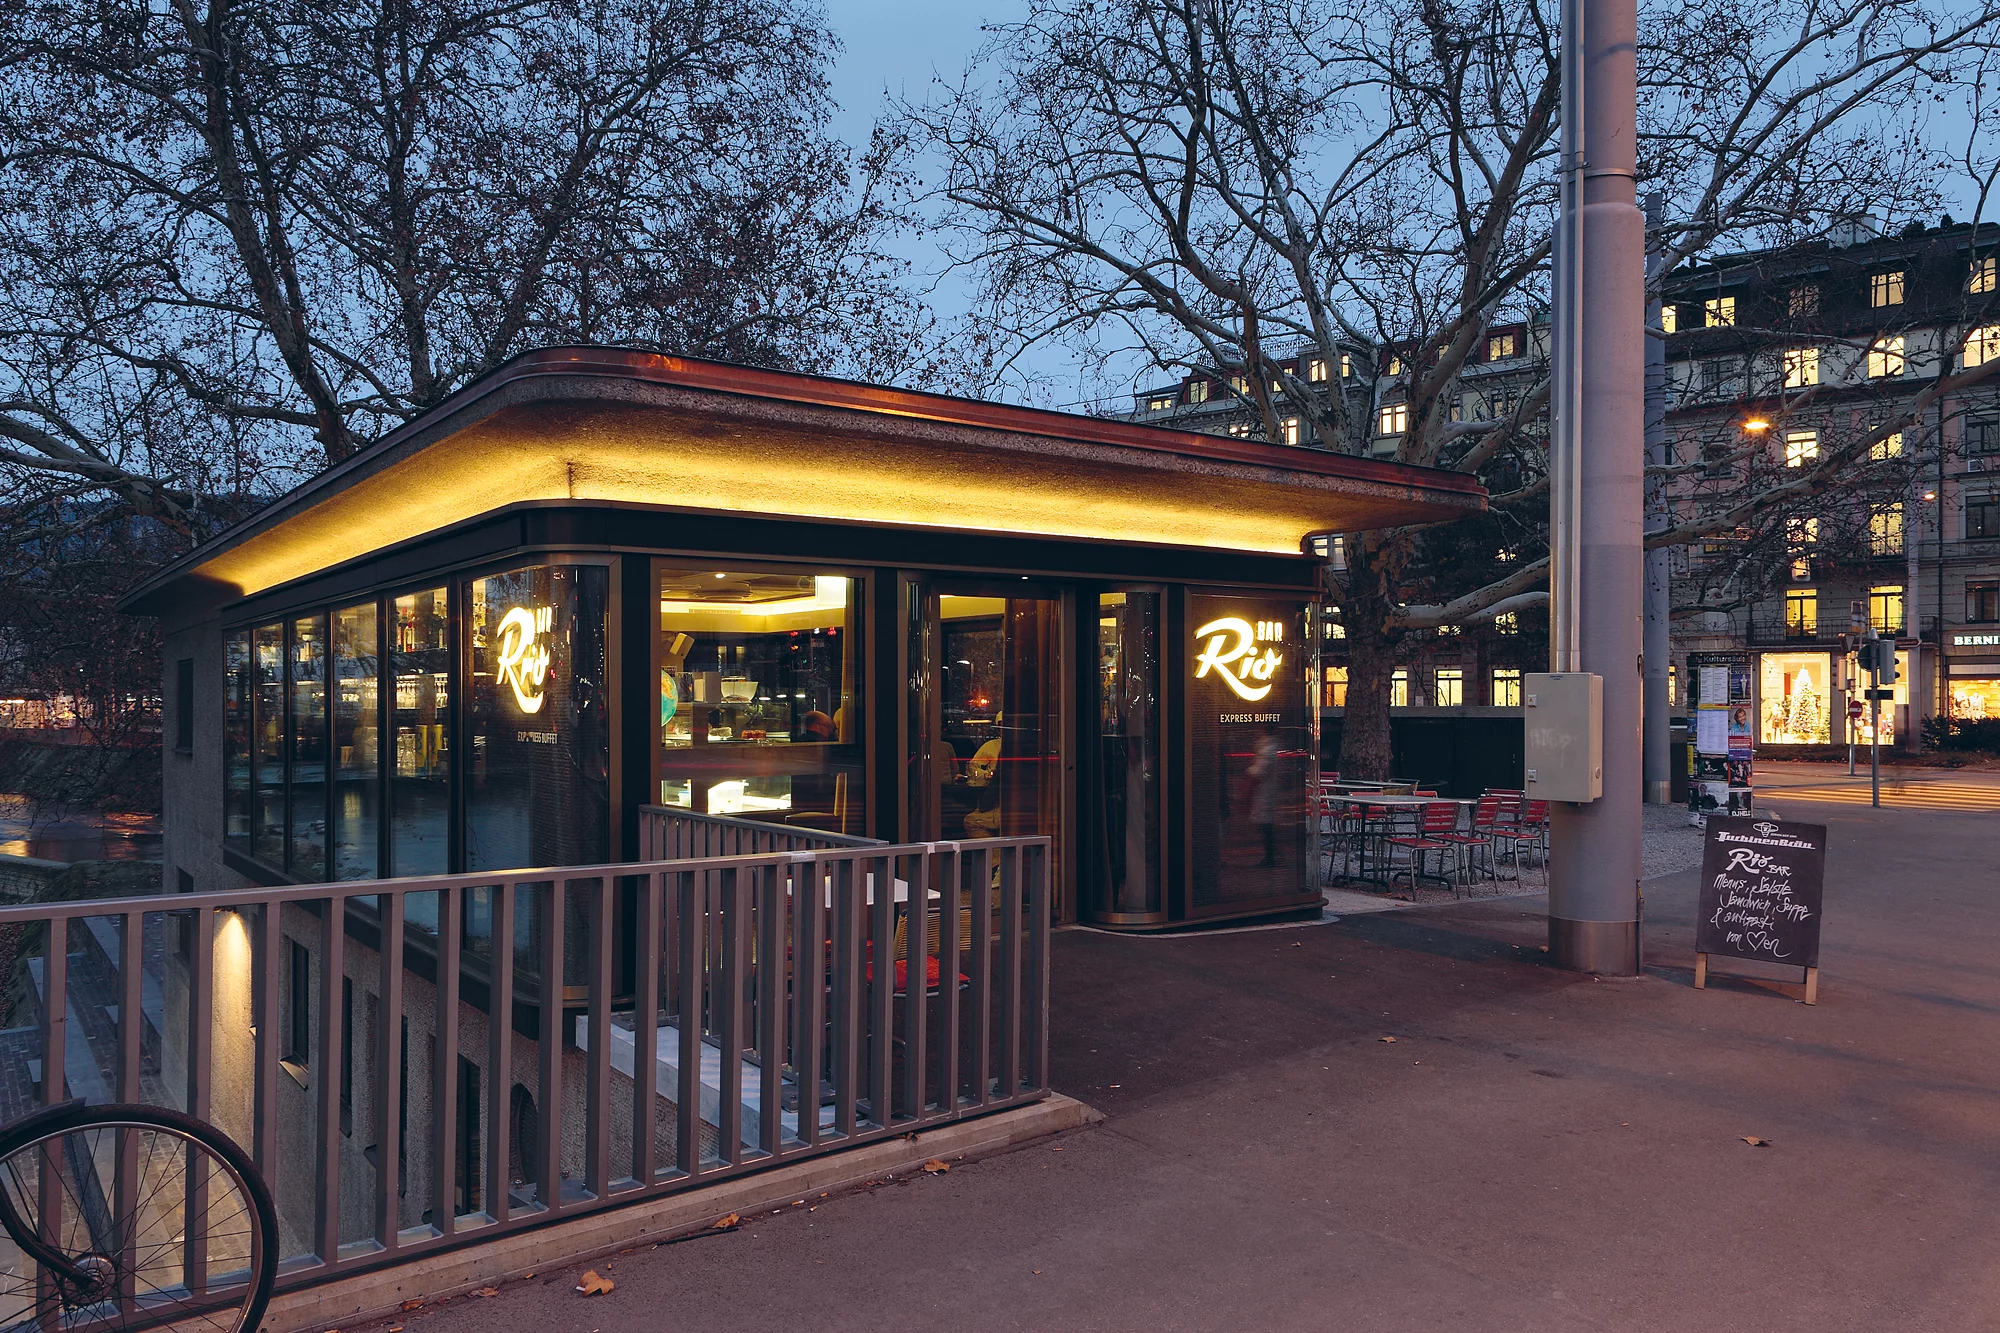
{"x": 1594, "y": 872}
{"x": 1658, "y": 596}
{"x": 1566, "y": 387}
{"x": 1874, "y": 737}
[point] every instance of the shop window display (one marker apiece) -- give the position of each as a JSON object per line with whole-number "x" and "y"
{"x": 1796, "y": 699}
{"x": 759, "y": 716}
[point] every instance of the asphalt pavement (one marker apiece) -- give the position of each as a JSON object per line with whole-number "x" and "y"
{"x": 1532, "y": 1150}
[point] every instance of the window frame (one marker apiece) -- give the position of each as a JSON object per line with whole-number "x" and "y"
{"x": 1887, "y": 287}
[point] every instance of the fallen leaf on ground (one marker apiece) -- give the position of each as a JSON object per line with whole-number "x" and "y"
{"x": 1754, "y": 1141}
{"x": 725, "y": 1223}
{"x": 935, "y": 1167}
{"x": 487, "y": 1291}
{"x": 1390, "y": 1039}
{"x": 593, "y": 1285}
{"x": 413, "y": 1305}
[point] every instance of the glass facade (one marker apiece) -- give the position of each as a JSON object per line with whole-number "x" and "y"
{"x": 1128, "y": 879}
{"x": 237, "y": 802}
{"x": 306, "y": 762}
{"x": 760, "y": 715}
{"x": 267, "y": 830}
{"x": 539, "y": 738}
{"x": 419, "y": 730}
{"x": 1253, "y": 752}
{"x": 355, "y": 813}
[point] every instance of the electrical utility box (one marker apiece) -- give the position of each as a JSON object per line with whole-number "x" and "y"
{"x": 1563, "y": 716}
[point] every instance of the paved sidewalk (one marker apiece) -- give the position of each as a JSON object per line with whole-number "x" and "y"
{"x": 1534, "y": 1150}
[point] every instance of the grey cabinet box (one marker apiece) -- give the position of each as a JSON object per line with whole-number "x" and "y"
{"x": 1564, "y": 724}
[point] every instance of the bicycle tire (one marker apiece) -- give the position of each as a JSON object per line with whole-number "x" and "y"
{"x": 243, "y": 1303}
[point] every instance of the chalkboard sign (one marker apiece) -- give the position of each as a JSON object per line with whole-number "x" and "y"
{"x": 1761, "y": 881}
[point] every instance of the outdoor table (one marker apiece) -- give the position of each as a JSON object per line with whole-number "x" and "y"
{"x": 1392, "y": 803}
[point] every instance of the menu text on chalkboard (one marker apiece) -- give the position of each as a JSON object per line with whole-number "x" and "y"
{"x": 1761, "y": 884}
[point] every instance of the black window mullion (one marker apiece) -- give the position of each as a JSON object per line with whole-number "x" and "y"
{"x": 286, "y": 722}
{"x": 460, "y": 658}
{"x": 384, "y": 760}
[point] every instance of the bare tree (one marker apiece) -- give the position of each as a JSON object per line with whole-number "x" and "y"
{"x": 1222, "y": 183}
{"x": 243, "y": 236}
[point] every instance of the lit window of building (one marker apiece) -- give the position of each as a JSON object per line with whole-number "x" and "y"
{"x": 1802, "y": 612}
{"x": 1795, "y": 698}
{"x": 1885, "y": 530}
{"x": 1159, "y": 403}
{"x": 1346, "y": 366}
{"x": 1316, "y": 370}
{"x": 1982, "y": 516}
{"x": 1239, "y": 385}
{"x": 1801, "y": 367}
{"x": 1450, "y": 687}
{"x": 1503, "y": 346}
{"x": 1801, "y": 532}
{"x": 1885, "y": 358}
{"x": 1506, "y": 687}
{"x": 1885, "y": 289}
{"x": 1291, "y": 430}
{"x": 1508, "y": 622}
{"x": 1399, "y": 689}
{"x": 1984, "y": 275}
{"x": 1197, "y": 391}
{"x": 1670, "y": 318}
{"x": 1719, "y": 312}
{"x": 1394, "y": 419}
{"x": 1240, "y": 429}
{"x": 1889, "y": 446}
{"x": 1335, "y": 695}
{"x": 1395, "y": 365}
{"x": 1885, "y": 608}
{"x": 1801, "y": 447}
{"x": 1803, "y": 301}
{"x": 1982, "y": 345}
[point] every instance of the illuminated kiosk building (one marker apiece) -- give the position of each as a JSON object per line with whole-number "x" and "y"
{"x": 599, "y": 580}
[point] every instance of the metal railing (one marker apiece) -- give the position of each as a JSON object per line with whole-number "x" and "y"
{"x": 388, "y": 1053}
{"x": 668, "y": 833}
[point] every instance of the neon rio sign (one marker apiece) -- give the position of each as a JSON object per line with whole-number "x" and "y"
{"x": 523, "y": 661}
{"x": 1232, "y": 643}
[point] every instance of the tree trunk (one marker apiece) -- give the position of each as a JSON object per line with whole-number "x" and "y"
{"x": 1371, "y": 662}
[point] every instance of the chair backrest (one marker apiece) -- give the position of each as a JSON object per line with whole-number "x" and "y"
{"x": 1537, "y": 813}
{"x": 1440, "y": 817}
{"x": 1422, "y": 792}
{"x": 1487, "y": 810}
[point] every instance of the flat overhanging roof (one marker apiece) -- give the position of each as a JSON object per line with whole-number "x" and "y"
{"x": 611, "y": 425}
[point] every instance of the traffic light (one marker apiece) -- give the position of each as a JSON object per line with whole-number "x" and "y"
{"x": 1885, "y": 655}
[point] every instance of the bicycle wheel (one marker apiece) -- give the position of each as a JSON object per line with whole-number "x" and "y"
{"x": 131, "y": 1217}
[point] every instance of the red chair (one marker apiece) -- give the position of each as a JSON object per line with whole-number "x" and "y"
{"x": 1530, "y": 829}
{"x": 1437, "y": 819}
{"x": 1479, "y": 836}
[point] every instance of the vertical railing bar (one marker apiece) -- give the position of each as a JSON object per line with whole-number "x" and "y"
{"x": 50, "y": 1191}
{"x": 847, "y": 890}
{"x": 200, "y": 1076}
{"x": 916, "y": 984}
{"x": 1038, "y": 968}
{"x": 270, "y": 1041}
{"x": 646, "y": 1028}
{"x": 389, "y": 914}
{"x": 597, "y": 1119}
{"x": 332, "y": 964}
{"x": 882, "y": 985}
{"x": 773, "y": 964}
{"x": 131, "y": 1028}
{"x": 726, "y": 994}
{"x": 1010, "y": 978}
{"x": 500, "y": 1052}
{"x": 444, "y": 1066}
{"x": 691, "y": 895}
{"x": 551, "y": 900}
{"x": 992, "y": 865}
{"x": 952, "y": 866}
{"x": 809, "y": 989}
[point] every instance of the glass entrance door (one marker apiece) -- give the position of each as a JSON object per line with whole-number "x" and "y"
{"x": 995, "y": 718}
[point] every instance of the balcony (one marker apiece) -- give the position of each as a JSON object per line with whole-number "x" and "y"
{"x": 422, "y": 1064}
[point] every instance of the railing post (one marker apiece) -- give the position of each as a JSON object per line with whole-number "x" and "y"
{"x": 773, "y": 962}
{"x": 444, "y": 1067}
{"x": 808, "y": 986}
{"x": 332, "y": 966}
{"x": 597, "y": 1118}
{"x": 726, "y": 997}
{"x": 389, "y": 1070}
{"x": 691, "y": 904}
{"x": 646, "y": 1027}
{"x": 550, "y": 901}
{"x": 499, "y": 1050}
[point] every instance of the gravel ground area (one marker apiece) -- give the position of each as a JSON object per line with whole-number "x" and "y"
{"x": 1670, "y": 844}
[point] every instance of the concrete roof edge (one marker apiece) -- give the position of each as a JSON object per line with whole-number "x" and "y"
{"x": 555, "y": 374}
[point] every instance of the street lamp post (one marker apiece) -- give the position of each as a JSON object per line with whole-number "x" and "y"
{"x": 1598, "y": 582}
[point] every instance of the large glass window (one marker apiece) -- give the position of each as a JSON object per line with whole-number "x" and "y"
{"x": 420, "y": 770}
{"x": 267, "y": 835}
{"x": 357, "y": 772}
{"x": 1796, "y": 697}
{"x": 307, "y": 765}
{"x": 538, "y": 776}
{"x": 1128, "y": 671}
{"x": 1252, "y": 742}
{"x": 237, "y": 801}
{"x": 759, "y": 711}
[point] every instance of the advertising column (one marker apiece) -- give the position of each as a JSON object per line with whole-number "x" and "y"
{"x": 1722, "y": 746}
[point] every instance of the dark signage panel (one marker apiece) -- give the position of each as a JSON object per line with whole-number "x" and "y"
{"x": 1761, "y": 882}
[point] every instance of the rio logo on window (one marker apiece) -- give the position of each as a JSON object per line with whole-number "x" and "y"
{"x": 524, "y": 657}
{"x": 1232, "y": 654}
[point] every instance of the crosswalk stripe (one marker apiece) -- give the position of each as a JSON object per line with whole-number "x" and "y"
{"x": 1922, "y": 796}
